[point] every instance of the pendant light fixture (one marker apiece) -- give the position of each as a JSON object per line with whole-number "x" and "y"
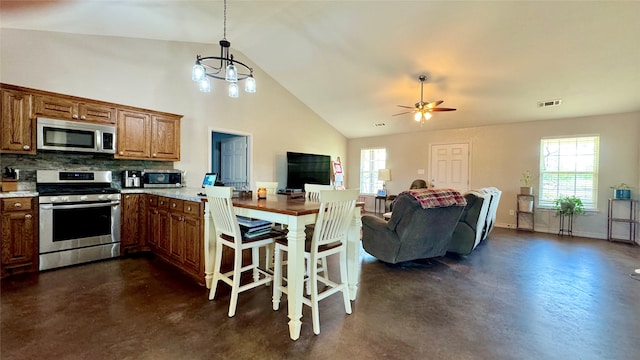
{"x": 212, "y": 67}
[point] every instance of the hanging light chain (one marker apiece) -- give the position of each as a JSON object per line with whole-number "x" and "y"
{"x": 224, "y": 33}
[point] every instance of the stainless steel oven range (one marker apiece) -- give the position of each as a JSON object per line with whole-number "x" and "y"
{"x": 79, "y": 217}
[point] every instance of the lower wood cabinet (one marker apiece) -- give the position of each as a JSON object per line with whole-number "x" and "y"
{"x": 175, "y": 233}
{"x": 133, "y": 223}
{"x": 19, "y": 235}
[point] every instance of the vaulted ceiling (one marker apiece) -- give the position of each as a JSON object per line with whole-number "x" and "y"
{"x": 353, "y": 62}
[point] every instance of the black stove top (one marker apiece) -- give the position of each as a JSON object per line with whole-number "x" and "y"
{"x": 48, "y": 190}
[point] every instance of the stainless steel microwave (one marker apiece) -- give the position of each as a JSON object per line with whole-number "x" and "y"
{"x": 162, "y": 178}
{"x": 53, "y": 134}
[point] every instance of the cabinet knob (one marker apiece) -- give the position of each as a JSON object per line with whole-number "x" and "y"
{"x": 28, "y": 216}
{"x": 127, "y": 196}
{"x": 121, "y": 153}
{"x": 75, "y": 116}
{"x": 154, "y": 155}
{"x": 173, "y": 205}
{"x": 83, "y": 117}
{"x": 26, "y": 147}
{"x": 188, "y": 208}
{"x": 18, "y": 205}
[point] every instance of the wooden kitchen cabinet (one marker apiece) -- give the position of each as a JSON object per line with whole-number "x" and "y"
{"x": 69, "y": 108}
{"x": 148, "y": 136}
{"x": 193, "y": 239}
{"x": 133, "y": 224}
{"x": 18, "y": 133}
{"x": 19, "y": 235}
{"x": 175, "y": 233}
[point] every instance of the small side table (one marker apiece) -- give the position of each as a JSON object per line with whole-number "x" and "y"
{"x": 384, "y": 203}
{"x": 569, "y": 228}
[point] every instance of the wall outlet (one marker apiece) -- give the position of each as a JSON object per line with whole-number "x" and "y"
{"x": 511, "y": 212}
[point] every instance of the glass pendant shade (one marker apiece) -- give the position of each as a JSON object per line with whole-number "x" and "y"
{"x": 231, "y": 75}
{"x": 417, "y": 116}
{"x": 197, "y": 73}
{"x": 427, "y": 116}
{"x": 250, "y": 84}
{"x": 205, "y": 85}
{"x": 233, "y": 90}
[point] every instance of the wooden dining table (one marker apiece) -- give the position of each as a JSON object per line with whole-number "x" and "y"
{"x": 296, "y": 213}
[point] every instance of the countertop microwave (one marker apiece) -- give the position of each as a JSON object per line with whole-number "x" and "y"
{"x": 162, "y": 178}
{"x": 54, "y": 134}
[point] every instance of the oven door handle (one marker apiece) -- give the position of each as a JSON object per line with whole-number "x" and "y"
{"x": 78, "y": 206}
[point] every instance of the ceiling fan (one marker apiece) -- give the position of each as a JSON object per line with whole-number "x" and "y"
{"x": 422, "y": 110}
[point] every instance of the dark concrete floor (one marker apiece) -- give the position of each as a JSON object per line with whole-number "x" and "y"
{"x": 517, "y": 296}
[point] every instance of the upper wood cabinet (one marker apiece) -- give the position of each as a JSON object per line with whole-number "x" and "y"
{"x": 18, "y": 128}
{"x": 141, "y": 134}
{"x": 165, "y": 138}
{"x": 71, "y": 109}
{"x": 148, "y": 136}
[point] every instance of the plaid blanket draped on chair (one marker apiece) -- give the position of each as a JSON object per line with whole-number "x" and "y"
{"x": 435, "y": 198}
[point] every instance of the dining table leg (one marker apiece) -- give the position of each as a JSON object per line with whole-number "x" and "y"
{"x": 295, "y": 275}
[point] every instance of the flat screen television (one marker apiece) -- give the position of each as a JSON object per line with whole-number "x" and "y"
{"x": 307, "y": 169}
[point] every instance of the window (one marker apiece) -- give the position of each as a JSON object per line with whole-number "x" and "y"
{"x": 569, "y": 167}
{"x": 371, "y": 160}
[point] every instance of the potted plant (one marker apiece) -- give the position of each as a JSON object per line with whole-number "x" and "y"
{"x": 568, "y": 205}
{"x": 621, "y": 191}
{"x": 527, "y": 189}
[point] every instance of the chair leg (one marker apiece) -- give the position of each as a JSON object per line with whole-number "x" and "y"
{"x": 255, "y": 262}
{"x": 235, "y": 288}
{"x": 277, "y": 277}
{"x": 217, "y": 263}
{"x": 344, "y": 281}
{"x": 315, "y": 312}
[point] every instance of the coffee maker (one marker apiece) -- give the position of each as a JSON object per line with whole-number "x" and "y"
{"x": 131, "y": 178}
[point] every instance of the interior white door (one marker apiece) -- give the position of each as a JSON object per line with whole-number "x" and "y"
{"x": 450, "y": 166}
{"x": 233, "y": 160}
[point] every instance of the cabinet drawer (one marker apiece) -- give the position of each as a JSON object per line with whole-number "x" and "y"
{"x": 16, "y": 204}
{"x": 163, "y": 202}
{"x": 176, "y": 205}
{"x": 152, "y": 200}
{"x": 191, "y": 208}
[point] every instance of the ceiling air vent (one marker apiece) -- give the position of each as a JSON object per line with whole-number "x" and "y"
{"x": 549, "y": 103}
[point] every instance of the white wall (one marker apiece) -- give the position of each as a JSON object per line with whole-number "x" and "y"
{"x": 501, "y": 153}
{"x": 157, "y": 75}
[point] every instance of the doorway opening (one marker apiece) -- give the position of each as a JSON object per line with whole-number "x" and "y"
{"x": 229, "y": 156}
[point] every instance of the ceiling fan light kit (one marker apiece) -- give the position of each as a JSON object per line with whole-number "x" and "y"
{"x": 212, "y": 66}
{"x": 422, "y": 110}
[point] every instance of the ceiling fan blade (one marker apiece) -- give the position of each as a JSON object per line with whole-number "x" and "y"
{"x": 407, "y": 107}
{"x": 402, "y": 113}
{"x": 440, "y": 109}
{"x": 434, "y": 104}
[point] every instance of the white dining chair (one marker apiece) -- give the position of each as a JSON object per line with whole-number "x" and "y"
{"x": 312, "y": 191}
{"x": 329, "y": 238}
{"x": 228, "y": 234}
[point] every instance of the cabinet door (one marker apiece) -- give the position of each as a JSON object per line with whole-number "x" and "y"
{"x": 97, "y": 113}
{"x": 19, "y": 236}
{"x": 56, "y": 107}
{"x": 131, "y": 235}
{"x": 165, "y": 138}
{"x": 134, "y": 135}
{"x": 177, "y": 233}
{"x": 193, "y": 245}
{"x": 18, "y": 133}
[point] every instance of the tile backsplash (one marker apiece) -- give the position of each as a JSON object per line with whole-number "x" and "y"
{"x": 59, "y": 160}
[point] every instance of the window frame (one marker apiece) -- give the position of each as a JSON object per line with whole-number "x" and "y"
{"x": 585, "y": 172}
{"x": 369, "y": 183}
